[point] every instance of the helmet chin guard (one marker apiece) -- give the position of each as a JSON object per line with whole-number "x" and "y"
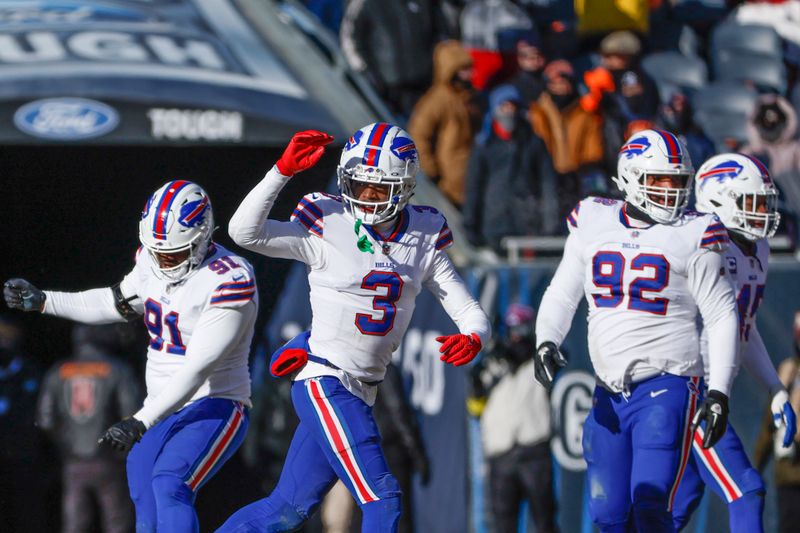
{"x": 178, "y": 217}
{"x": 655, "y": 153}
{"x": 382, "y": 155}
{"x": 739, "y": 190}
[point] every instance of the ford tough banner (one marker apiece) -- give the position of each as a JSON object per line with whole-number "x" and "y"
{"x": 140, "y": 72}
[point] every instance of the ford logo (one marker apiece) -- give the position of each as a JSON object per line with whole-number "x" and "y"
{"x": 66, "y": 119}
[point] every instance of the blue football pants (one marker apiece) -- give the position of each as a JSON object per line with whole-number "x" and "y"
{"x": 726, "y": 470}
{"x": 336, "y": 438}
{"x": 179, "y": 455}
{"x": 636, "y": 446}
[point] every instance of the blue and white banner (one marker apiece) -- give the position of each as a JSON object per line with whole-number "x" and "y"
{"x": 176, "y": 71}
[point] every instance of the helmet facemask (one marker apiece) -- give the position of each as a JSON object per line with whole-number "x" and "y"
{"x": 748, "y": 221}
{"x": 197, "y": 251}
{"x": 398, "y": 189}
{"x": 665, "y": 205}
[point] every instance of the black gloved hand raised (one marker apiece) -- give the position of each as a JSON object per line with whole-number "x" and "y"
{"x": 21, "y": 294}
{"x": 714, "y": 411}
{"x": 547, "y": 361}
{"x": 124, "y": 434}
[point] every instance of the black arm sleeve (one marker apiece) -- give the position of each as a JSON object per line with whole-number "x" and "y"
{"x": 123, "y": 305}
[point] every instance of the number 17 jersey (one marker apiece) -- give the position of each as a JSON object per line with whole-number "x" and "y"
{"x": 641, "y": 286}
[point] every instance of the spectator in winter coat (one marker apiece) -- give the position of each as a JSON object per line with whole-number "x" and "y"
{"x": 772, "y": 139}
{"x": 80, "y": 398}
{"x": 391, "y": 42}
{"x": 445, "y": 120}
{"x": 573, "y": 136}
{"x": 515, "y": 426}
{"x": 490, "y": 30}
{"x": 510, "y": 178}
{"x": 675, "y": 115}
{"x": 621, "y": 90}
{"x": 530, "y": 63}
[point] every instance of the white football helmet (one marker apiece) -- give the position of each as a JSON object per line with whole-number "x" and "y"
{"x": 177, "y": 217}
{"x": 734, "y": 187}
{"x": 654, "y": 152}
{"x": 380, "y": 154}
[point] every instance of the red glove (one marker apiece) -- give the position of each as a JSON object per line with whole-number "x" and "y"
{"x": 303, "y": 151}
{"x": 288, "y": 361}
{"x": 459, "y": 349}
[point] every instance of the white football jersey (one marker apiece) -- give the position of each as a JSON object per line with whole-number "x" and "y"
{"x": 636, "y": 280}
{"x": 749, "y": 276}
{"x": 170, "y": 312}
{"x": 362, "y": 302}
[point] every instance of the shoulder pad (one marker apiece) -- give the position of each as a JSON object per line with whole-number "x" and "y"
{"x": 237, "y": 291}
{"x": 445, "y": 238}
{"x": 715, "y": 237}
{"x": 310, "y": 212}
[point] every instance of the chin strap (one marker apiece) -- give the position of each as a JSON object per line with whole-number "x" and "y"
{"x": 744, "y": 244}
{"x": 638, "y": 213}
{"x": 363, "y": 243}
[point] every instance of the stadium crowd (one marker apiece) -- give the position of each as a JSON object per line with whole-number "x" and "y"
{"x": 549, "y": 90}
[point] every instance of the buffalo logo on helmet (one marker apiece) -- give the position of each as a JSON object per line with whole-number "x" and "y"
{"x": 404, "y": 148}
{"x": 727, "y": 170}
{"x": 761, "y": 168}
{"x": 636, "y": 146}
{"x": 353, "y": 141}
{"x": 193, "y": 213}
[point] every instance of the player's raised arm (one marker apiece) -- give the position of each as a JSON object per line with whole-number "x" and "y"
{"x": 117, "y": 303}
{"x": 250, "y": 227}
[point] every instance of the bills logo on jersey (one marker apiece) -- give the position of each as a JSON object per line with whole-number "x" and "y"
{"x": 193, "y": 213}
{"x": 353, "y": 141}
{"x": 636, "y": 146}
{"x": 404, "y": 148}
{"x": 727, "y": 170}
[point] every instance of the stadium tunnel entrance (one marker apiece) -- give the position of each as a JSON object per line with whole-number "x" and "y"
{"x": 71, "y": 215}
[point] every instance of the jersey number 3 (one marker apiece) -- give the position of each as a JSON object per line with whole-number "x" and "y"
{"x": 608, "y": 269}
{"x": 382, "y": 302}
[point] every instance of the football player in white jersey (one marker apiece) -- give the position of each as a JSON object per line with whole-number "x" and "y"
{"x": 368, "y": 253}
{"x": 646, "y": 268}
{"x": 738, "y": 189}
{"x": 199, "y": 304}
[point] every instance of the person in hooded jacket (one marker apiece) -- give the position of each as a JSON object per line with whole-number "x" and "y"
{"x": 511, "y": 183}
{"x": 445, "y": 120}
{"x": 573, "y": 136}
{"x": 772, "y": 134}
{"x": 514, "y": 413}
{"x": 82, "y": 396}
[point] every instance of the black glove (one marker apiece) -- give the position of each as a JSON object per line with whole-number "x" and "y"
{"x": 123, "y": 435}
{"x": 547, "y": 361}
{"x": 714, "y": 411}
{"x": 21, "y": 294}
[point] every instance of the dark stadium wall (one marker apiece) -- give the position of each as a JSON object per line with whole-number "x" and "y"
{"x": 70, "y": 215}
